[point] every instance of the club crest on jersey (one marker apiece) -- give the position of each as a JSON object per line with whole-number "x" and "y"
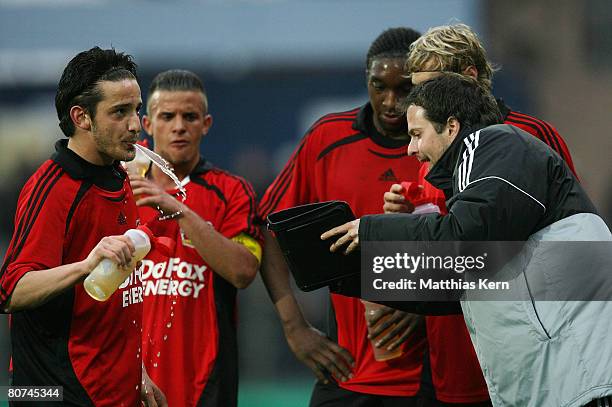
{"x": 185, "y": 239}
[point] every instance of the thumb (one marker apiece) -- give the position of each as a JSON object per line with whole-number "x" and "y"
{"x": 397, "y": 188}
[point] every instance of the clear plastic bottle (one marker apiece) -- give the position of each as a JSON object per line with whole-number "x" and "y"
{"x": 426, "y": 208}
{"x": 139, "y": 165}
{"x": 106, "y": 277}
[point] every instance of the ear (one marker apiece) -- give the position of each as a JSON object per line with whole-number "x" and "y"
{"x": 453, "y": 126}
{"x": 147, "y": 125}
{"x": 80, "y": 118}
{"x": 208, "y": 121}
{"x": 471, "y": 71}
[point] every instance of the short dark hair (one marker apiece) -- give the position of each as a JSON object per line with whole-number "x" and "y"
{"x": 177, "y": 80}
{"x": 458, "y": 96}
{"x": 81, "y": 77}
{"x": 392, "y": 43}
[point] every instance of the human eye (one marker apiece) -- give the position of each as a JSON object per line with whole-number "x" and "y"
{"x": 120, "y": 111}
{"x": 191, "y": 117}
{"x": 166, "y": 116}
{"x": 378, "y": 86}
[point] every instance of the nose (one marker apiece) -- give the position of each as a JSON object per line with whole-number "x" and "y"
{"x": 178, "y": 124}
{"x": 390, "y": 99}
{"x": 413, "y": 147}
{"x": 134, "y": 123}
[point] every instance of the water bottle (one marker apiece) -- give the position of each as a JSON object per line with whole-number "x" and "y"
{"x": 107, "y": 276}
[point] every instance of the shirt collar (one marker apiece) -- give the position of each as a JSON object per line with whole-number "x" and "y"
{"x": 365, "y": 125}
{"x": 503, "y": 108}
{"x": 441, "y": 174}
{"x": 202, "y": 166}
{"x": 109, "y": 177}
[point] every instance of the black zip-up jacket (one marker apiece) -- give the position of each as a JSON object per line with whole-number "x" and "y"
{"x": 501, "y": 184}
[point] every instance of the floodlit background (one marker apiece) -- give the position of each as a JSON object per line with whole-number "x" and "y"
{"x": 272, "y": 67}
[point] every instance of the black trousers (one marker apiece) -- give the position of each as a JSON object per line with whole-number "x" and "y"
{"x": 602, "y": 402}
{"x": 332, "y": 395}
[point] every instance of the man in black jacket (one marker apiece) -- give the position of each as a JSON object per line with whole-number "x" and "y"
{"x": 502, "y": 184}
{"x": 486, "y": 170}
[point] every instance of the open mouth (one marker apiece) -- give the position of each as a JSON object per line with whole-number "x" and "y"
{"x": 130, "y": 145}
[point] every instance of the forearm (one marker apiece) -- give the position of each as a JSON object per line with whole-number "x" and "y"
{"x": 39, "y": 286}
{"x": 231, "y": 260}
{"x": 275, "y": 275}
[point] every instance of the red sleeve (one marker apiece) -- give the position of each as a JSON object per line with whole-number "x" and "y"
{"x": 292, "y": 186}
{"x": 241, "y": 210}
{"x": 38, "y": 237}
{"x": 543, "y": 131}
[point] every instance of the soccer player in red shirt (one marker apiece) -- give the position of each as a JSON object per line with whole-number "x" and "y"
{"x": 189, "y": 329}
{"x": 71, "y": 214}
{"x": 353, "y": 156}
{"x": 456, "y": 374}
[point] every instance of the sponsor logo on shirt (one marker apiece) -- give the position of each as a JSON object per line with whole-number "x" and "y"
{"x": 131, "y": 289}
{"x": 173, "y": 277}
{"x": 121, "y": 218}
{"x": 388, "y": 175}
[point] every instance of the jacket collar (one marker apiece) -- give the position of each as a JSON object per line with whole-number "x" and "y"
{"x": 365, "y": 125}
{"x": 503, "y": 108}
{"x": 441, "y": 174}
{"x": 109, "y": 177}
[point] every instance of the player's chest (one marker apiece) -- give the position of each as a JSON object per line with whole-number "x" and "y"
{"x": 362, "y": 179}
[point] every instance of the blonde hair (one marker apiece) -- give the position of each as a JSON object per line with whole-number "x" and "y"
{"x": 450, "y": 48}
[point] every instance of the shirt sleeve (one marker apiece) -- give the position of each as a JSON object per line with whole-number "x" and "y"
{"x": 38, "y": 236}
{"x": 292, "y": 186}
{"x": 241, "y": 211}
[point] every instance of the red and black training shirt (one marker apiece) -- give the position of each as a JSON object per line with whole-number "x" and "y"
{"x": 189, "y": 327}
{"x": 343, "y": 157}
{"x": 90, "y": 348}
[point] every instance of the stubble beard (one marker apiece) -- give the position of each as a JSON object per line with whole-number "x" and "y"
{"x": 107, "y": 147}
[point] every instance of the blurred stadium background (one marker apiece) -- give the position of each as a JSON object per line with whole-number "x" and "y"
{"x": 271, "y": 67}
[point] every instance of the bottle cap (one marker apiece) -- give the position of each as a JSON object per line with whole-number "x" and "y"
{"x": 164, "y": 245}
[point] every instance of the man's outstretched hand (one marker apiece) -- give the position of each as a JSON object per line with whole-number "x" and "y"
{"x": 350, "y": 236}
